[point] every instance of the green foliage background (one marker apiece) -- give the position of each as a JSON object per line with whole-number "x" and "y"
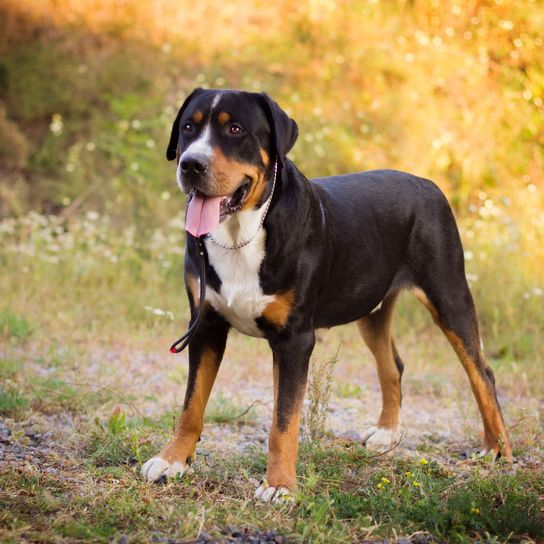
{"x": 447, "y": 89}
{"x": 450, "y": 90}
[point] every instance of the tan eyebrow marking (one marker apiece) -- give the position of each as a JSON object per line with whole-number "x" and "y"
{"x": 224, "y": 118}
{"x": 264, "y": 156}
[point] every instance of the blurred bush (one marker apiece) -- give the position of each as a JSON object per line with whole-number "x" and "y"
{"x": 452, "y": 90}
{"x": 448, "y": 89}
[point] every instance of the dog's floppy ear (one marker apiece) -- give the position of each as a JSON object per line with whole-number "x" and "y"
{"x": 284, "y": 129}
{"x": 174, "y": 135}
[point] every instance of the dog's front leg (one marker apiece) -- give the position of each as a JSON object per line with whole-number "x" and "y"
{"x": 205, "y": 354}
{"x": 291, "y": 358}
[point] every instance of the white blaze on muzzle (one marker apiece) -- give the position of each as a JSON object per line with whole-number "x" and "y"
{"x": 203, "y": 212}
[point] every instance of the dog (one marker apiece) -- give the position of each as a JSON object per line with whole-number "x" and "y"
{"x": 285, "y": 256}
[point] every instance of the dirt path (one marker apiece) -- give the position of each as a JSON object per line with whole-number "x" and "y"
{"x": 439, "y": 416}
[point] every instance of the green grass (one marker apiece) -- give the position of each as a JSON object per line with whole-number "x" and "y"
{"x": 91, "y": 363}
{"x": 53, "y": 394}
{"x": 13, "y": 325}
{"x": 344, "y": 495}
{"x": 222, "y": 409}
{"x": 12, "y": 403}
{"x": 9, "y": 367}
{"x": 117, "y": 441}
{"x": 347, "y": 390}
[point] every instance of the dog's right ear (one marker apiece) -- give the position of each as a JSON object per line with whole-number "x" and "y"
{"x": 284, "y": 129}
{"x": 174, "y": 135}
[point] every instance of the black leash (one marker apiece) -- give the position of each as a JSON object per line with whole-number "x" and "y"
{"x": 187, "y": 337}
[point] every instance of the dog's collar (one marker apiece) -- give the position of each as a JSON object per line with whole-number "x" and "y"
{"x": 263, "y": 217}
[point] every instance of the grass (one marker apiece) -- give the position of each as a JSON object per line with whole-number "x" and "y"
{"x": 117, "y": 441}
{"x": 13, "y": 325}
{"x": 105, "y": 386}
{"x": 12, "y": 403}
{"x": 344, "y": 496}
{"x": 318, "y": 393}
{"x": 223, "y": 409}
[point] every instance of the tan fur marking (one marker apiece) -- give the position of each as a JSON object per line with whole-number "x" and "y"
{"x": 192, "y": 283}
{"x": 376, "y": 332}
{"x": 255, "y": 192}
{"x": 223, "y": 118}
{"x": 422, "y": 297}
{"x": 495, "y": 434}
{"x": 264, "y": 156}
{"x": 182, "y": 446}
{"x": 277, "y": 312}
{"x": 283, "y": 445}
{"x": 197, "y": 116}
{"x": 228, "y": 174}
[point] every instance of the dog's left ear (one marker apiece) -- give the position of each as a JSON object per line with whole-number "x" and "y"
{"x": 284, "y": 129}
{"x": 174, "y": 135}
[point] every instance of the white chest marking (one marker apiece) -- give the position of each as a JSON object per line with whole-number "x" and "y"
{"x": 241, "y": 299}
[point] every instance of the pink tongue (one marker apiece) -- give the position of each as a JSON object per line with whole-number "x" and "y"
{"x": 202, "y": 214}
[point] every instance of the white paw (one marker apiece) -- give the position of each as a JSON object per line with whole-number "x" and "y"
{"x": 488, "y": 451}
{"x": 158, "y": 468}
{"x": 378, "y": 438}
{"x": 268, "y": 493}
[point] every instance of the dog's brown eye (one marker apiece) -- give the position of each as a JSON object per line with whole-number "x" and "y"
{"x": 188, "y": 127}
{"x": 235, "y": 129}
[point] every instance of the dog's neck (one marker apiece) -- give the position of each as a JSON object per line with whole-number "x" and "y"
{"x": 242, "y": 228}
{"x": 239, "y": 227}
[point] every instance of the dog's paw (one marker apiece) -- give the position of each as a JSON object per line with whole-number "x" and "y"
{"x": 268, "y": 493}
{"x": 381, "y": 439}
{"x": 497, "y": 449}
{"x": 486, "y": 451}
{"x": 493, "y": 453}
{"x": 158, "y": 469}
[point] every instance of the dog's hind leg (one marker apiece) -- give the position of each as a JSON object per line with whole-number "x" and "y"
{"x": 453, "y": 311}
{"x": 375, "y": 329}
{"x": 437, "y": 266}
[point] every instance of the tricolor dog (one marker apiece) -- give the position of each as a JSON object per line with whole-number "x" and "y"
{"x": 285, "y": 256}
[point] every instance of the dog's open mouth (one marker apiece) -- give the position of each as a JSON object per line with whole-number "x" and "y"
{"x": 234, "y": 202}
{"x": 205, "y": 212}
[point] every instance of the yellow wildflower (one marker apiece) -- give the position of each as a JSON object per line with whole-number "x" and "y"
{"x": 423, "y": 461}
{"x": 386, "y": 481}
{"x": 474, "y": 510}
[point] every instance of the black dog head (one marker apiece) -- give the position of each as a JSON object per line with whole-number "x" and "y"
{"x": 226, "y": 143}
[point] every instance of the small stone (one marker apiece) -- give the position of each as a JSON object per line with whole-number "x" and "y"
{"x": 351, "y": 435}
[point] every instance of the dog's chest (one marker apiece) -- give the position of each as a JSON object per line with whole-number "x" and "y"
{"x": 240, "y": 299}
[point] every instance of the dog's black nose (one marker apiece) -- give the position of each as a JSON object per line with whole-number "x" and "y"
{"x": 194, "y": 165}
